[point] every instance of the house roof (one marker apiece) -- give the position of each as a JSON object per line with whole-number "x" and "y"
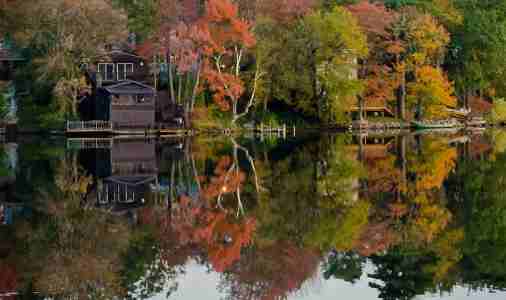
{"x": 130, "y": 87}
{"x": 374, "y": 104}
{"x": 131, "y": 180}
{"x": 114, "y": 52}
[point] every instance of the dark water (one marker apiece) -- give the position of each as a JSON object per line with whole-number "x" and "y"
{"x": 408, "y": 216}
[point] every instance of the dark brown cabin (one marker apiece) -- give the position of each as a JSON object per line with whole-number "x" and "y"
{"x": 8, "y": 59}
{"x": 118, "y": 65}
{"x": 131, "y": 104}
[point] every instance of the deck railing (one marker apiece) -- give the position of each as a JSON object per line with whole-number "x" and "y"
{"x": 90, "y": 143}
{"x": 89, "y": 126}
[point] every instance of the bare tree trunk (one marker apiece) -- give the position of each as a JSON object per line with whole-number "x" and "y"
{"x": 196, "y": 86}
{"x": 251, "y": 101}
{"x": 179, "y": 88}
{"x": 171, "y": 78}
{"x": 402, "y": 104}
{"x": 155, "y": 72}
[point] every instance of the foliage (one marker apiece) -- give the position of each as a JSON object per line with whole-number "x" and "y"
{"x": 431, "y": 92}
{"x": 4, "y": 105}
{"x": 315, "y": 70}
{"x": 498, "y": 113}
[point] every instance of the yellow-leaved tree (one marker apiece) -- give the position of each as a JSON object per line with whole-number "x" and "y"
{"x": 431, "y": 93}
{"x": 429, "y": 39}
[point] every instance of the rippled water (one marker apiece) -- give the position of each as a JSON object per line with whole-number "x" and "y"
{"x": 378, "y": 216}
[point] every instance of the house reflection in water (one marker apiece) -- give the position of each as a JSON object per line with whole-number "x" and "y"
{"x": 126, "y": 172}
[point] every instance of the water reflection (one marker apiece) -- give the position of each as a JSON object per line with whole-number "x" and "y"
{"x": 405, "y": 214}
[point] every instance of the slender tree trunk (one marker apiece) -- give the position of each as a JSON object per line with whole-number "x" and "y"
{"x": 171, "y": 78}
{"x": 196, "y": 85}
{"x": 401, "y": 96}
{"x": 314, "y": 80}
{"x": 179, "y": 88}
{"x": 155, "y": 72}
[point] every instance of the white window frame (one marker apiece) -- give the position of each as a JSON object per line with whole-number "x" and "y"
{"x": 104, "y": 66}
{"x": 128, "y": 69}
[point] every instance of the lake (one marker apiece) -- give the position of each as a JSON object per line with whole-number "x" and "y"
{"x": 319, "y": 216}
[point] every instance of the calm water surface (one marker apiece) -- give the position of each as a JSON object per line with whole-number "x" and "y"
{"x": 377, "y": 216}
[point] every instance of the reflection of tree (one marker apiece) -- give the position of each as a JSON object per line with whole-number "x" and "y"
{"x": 400, "y": 273}
{"x": 270, "y": 271}
{"x": 410, "y": 228}
{"x": 8, "y": 281}
{"x": 343, "y": 265}
{"x": 214, "y": 221}
{"x": 430, "y": 168}
{"x": 76, "y": 252}
{"x": 482, "y": 209}
{"x": 312, "y": 198}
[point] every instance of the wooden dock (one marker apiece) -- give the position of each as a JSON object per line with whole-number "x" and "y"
{"x": 90, "y": 143}
{"x": 275, "y": 131}
{"x": 109, "y": 128}
{"x": 89, "y": 127}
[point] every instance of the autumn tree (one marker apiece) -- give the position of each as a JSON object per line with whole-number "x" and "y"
{"x": 417, "y": 41}
{"x": 231, "y": 38}
{"x": 66, "y": 33}
{"x": 315, "y": 70}
{"x": 431, "y": 93}
{"x": 380, "y": 82}
{"x": 274, "y": 28}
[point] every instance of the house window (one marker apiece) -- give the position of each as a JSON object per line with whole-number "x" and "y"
{"x": 107, "y": 71}
{"x": 124, "y": 70}
{"x": 141, "y": 99}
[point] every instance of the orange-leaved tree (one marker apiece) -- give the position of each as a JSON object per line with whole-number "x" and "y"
{"x": 231, "y": 38}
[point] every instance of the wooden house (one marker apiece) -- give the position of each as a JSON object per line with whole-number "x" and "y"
{"x": 117, "y": 65}
{"x": 121, "y": 95}
{"x": 126, "y": 104}
{"x": 8, "y": 59}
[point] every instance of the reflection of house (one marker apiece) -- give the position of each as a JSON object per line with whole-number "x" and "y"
{"x": 134, "y": 158}
{"x": 123, "y": 193}
{"x": 124, "y": 173}
{"x": 372, "y": 147}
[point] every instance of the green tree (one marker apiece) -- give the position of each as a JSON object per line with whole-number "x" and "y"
{"x": 315, "y": 68}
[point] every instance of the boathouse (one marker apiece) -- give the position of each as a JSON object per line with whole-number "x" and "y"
{"x": 122, "y": 101}
{"x": 9, "y": 57}
{"x": 128, "y": 104}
